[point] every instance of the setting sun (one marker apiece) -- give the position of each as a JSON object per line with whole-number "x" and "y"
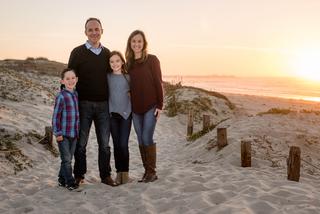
{"x": 307, "y": 65}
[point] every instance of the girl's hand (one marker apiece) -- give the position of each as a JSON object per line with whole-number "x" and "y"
{"x": 157, "y": 113}
{"x": 59, "y": 138}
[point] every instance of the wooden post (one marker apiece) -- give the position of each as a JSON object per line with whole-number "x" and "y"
{"x": 245, "y": 154}
{"x": 49, "y": 135}
{"x": 222, "y": 137}
{"x": 206, "y": 122}
{"x": 293, "y": 163}
{"x": 174, "y": 104}
{"x": 190, "y": 123}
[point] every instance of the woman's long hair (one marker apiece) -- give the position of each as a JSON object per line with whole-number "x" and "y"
{"x": 129, "y": 52}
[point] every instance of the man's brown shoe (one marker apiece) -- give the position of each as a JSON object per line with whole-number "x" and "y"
{"x": 79, "y": 181}
{"x": 109, "y": 181}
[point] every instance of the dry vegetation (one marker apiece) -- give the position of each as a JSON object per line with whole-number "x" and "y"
{"x": 39, "y": 65}
{"x": 282, "y": 111}
{"x": 32, "y": 81}
{"x": 277, "y": 111}
{"x": 181, "y": 99}
{"x": 10, "y": 151}
{"x": 201, "y": 104}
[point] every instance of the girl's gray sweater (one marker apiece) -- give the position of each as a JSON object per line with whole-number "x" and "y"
{"x": 119, "y": 98}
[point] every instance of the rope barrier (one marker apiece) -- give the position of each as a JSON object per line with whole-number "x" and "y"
{"x": 17, "y": 150}
{"x": 42, "y": 139}
{"x": 10, "y": 151}
{"x": 310, "y": 164}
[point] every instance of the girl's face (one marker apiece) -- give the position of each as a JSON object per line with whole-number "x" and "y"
{"x": 137, "y": 44}
{"x": 116, "y": 63}
{"x": 70, "y": 80}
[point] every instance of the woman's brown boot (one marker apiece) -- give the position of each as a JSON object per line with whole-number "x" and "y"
{"x": 151, "y": 158}
{"x": 143, "y": 158}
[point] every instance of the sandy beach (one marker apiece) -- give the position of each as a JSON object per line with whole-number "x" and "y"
{"x": 193, "y": 176}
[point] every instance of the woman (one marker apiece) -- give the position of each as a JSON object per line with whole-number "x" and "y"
{"x": 146, "y": 98}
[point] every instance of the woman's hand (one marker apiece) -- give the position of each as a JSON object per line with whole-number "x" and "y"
{"x": 157, "y": 113}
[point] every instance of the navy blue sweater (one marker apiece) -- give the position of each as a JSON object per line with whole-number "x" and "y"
{"x": 91, "y": 70}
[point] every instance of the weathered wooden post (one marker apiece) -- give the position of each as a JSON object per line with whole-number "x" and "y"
{"x": 190, "y": 123}
{"x": 48, "y": 135}
{"x": 245, "y": 153}
{"x": 293, "y": 163}
{"x": 206, "y": 122}
{"x": 222, "y": 137}
{"x": 172, "y": 106}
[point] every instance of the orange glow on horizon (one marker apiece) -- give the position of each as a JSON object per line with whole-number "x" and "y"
{"x": 306, "y": 65}
{"x": 313, "y": 99}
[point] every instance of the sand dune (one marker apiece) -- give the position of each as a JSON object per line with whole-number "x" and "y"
{"x": 193, "y": 176}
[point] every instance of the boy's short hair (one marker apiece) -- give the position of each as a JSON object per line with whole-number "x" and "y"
{"x": 65, "y": 71}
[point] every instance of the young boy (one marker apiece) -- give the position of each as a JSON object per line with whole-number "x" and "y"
{"x": 65, "y": 123}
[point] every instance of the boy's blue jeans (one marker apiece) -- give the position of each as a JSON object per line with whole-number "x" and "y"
{"x": 97, "y": 112}
{"x": 144, "y": 125}
{"x": 66, "y": 149}
{"x": 120, "y": 132}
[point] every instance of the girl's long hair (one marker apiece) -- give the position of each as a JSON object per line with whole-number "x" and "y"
{"x": 123, "y": 67}
{"x": 129, "y": 52}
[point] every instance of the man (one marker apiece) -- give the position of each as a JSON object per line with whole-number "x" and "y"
{"x": 90, "y": 61}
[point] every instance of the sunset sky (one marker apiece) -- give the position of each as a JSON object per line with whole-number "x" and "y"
{"x": 190, "y": 37}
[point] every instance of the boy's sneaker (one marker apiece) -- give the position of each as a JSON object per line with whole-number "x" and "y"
{"x": 61, "y": 182}
{"x": 72, "y": 186}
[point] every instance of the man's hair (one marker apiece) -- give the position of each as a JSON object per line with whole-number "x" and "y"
{"x": 92, "y": 19}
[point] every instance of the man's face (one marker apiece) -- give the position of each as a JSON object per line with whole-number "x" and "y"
{"x": 93, "y": 32}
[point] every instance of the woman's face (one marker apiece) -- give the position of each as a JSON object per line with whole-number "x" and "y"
{"x": 137, "y": 44}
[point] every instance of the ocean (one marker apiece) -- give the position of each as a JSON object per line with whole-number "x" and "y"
{"x": 284, "y": 87}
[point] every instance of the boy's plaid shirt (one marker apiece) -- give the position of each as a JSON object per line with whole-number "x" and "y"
{"x": 65, "y": 119}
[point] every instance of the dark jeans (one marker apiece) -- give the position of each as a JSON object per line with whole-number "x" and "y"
{"x": 120, "y": 131}
{"x": 144, "y": 125}
{"x": 66, "y": 149}
{"x": 98, "y": 112}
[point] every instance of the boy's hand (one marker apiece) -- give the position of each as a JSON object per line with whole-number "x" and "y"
{"x": 59, "y": 138}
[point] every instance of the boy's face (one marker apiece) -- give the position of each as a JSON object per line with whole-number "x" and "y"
{"x": 69, "y": 80}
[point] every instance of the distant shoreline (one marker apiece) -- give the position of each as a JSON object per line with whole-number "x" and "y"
{"x": 282, "y": 87}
